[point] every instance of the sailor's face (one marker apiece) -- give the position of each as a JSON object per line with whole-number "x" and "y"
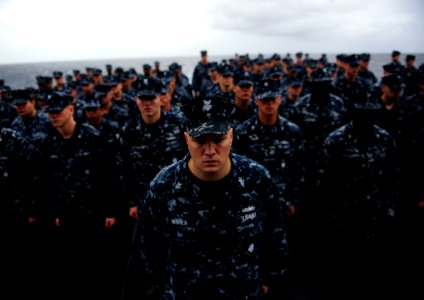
{"x": 210, "y": 154}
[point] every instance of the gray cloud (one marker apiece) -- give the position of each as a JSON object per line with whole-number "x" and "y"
{"x": 323, "y": 20}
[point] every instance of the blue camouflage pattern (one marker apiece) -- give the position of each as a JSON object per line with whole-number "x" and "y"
{"x": 221, "y": 242}
{"x": 280, "y": 148}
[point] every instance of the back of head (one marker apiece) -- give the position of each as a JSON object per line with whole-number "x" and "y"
{"x": 364, "y": 115}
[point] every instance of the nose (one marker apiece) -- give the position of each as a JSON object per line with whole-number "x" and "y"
{"x": 209, "y": 148}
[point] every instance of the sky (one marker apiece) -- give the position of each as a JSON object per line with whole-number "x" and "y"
{"x": 58, "y": 30}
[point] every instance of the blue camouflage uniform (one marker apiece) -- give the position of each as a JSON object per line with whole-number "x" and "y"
{"x": 213, "y": 240}
{"x": 14, "y": 184}
{"x": 78, "y": 183}
{"x": 356, "y": 212}
{"x": 279, "y": 148}
{"x": 7, "y": 114}
{"x": 14, "y": 159}
{"x": 35, "y": 129}
{"x": 74, "y": 173}
{"x": 150, "y": 148}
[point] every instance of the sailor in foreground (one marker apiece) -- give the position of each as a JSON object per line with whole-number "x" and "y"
{"x": 212, "y": 225}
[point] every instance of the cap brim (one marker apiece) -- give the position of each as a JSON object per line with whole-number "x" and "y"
{"x": 20, "y": 101}
{"x": 54, "y": 109}
{"x": 245, "y": 83}
{"x": 268, "y": 95}
{"x": 211, "y": 127}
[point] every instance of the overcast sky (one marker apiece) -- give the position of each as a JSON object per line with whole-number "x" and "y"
{"x": 57, "y": 30}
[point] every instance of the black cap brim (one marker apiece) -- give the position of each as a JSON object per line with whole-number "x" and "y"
{"x": 211, "y": 127}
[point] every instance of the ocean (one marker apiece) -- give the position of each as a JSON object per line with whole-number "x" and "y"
{"x": 24, "y": 75}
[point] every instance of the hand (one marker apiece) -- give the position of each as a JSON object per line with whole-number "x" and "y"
{"x": 265, "y": 289}
{"x": 134, "y": 212}
{"x": 109, "y": 222}
{"x": 57, "y": 222}
{"x": 32, "y": 220}
{"x": 292, "y": 209}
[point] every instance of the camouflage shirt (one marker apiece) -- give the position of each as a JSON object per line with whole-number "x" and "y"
{"x": 279, "y": 148}
{"x": 13, "y": 173}
{"x": 77, "y": 177}
{"x": 213, "y": 240}
{"x": 148, "y": 148}
{"x": 359, "y": 180}
{"x": 34, "y": 129}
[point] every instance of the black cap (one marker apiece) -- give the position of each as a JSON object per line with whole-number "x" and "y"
{"x": 174, "y": 67}
{"x": 395, "y": 53}
{"x": 213, "y": 66}
{"x": 58, "y": 101}
{"x": 97, "y": 72}
{"x": 299, "y": 54}
{"x": 410, "y": 57}
{"x": 365, "y": 56}
{"x": 203, "y": 53}
{"x": 225, "y": 70}
{"x": 321, "y": 75}
{"x": 147, "y": 67}
{"x": 92, "y": 103}
{"x": 210, "y": 115}
{"x": 341, "y": 56}
{"x": 103, "y": 88}
{"x": 365, "y": 112}
{"x": 86, "y": 80}
{"x": 275, "y": 72}
{"x": 244, "y": 80}
{"x": 268, "y": 89}
{"x": 392, "y": 68}
{"x": 57, "y": 74}
{"x": 311, "y": 63}
{"x": 119, "y": 70}
{"x": 44, "y": 79}
{"x": 352, "y": 60}
{"x": 276, "y": 56}
{"x": 393, "y": 81}
{"x": 20, "y": 96}
{"x": 294, "y": 82}
{"x": 148, "y": 88}
{"x": 259, "y": 61}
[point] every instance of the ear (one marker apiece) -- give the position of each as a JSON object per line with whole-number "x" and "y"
{"x": 186, "y": 136}
{"x": 279, "y": 98}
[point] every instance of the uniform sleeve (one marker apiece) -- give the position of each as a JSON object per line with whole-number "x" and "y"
{"x": 153, "y": 240}
{"x": 276, "y": 251}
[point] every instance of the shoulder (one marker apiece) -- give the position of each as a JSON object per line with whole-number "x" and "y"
{"x": 243, "y": 126}
{"x": 87, "y": 129}
{"x": 243, "y": 166}
{"x": 289, "y": 124}
{"x": 10, "y": 134}
{"x": 174, "y": 118}
{"x": 168, "y": 174}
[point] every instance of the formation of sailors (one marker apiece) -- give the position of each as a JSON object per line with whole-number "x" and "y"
{"x": 342, "y": 145}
